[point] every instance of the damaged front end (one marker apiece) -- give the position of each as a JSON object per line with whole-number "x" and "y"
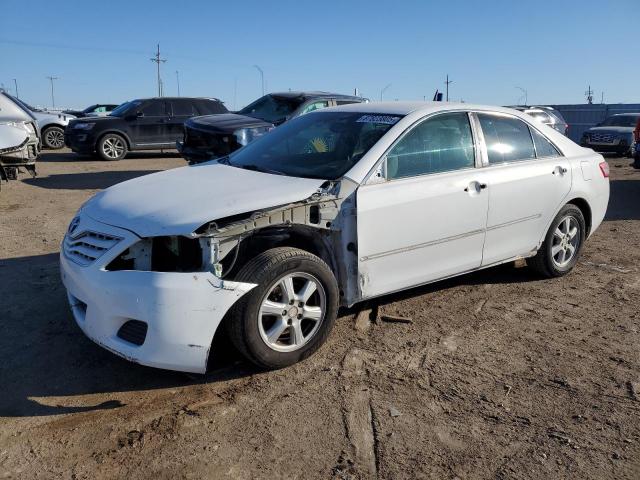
{"x": 19, "y": 148}
{"x": 323, "y": 224}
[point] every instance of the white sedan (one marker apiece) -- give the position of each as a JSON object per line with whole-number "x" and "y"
{"x": 332, "y": 208}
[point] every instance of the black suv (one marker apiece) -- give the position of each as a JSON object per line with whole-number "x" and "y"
{"x": 143, "y": 124}
{"x": 215, "y": 136}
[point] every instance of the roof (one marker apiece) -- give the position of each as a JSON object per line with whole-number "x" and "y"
{"x": 405, "y": 108}
{"x": 178, "y": 98}
{"x": 314, "y": 94}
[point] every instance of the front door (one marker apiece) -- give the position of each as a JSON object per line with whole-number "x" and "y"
{"x": 427, "y": 219}
{"x": 527, "y": 182}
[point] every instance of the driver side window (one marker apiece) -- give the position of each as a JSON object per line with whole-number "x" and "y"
{"x": 439, "y": 144}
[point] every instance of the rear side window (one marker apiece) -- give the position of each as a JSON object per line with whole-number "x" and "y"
{"x": 183, "y": 108}
{"x": 544, "y": 148}
{"x": 315, "y": 106}
{"x": 439, "y": 144}
{"x": 508, "y": 139}
{"x": 210, "y": 107}
{"x": 154, "y": 109}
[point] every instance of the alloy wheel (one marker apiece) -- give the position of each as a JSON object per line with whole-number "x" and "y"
{"x": 566, "y": 241}
{"x": 113, "y": 147}
{"x": 54, "y": 138}
{"x": 292, "y": 311}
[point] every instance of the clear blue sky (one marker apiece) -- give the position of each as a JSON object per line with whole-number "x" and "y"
{"x": 101, "y": 50}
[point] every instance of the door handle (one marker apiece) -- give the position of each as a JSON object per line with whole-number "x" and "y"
{"x": 475, "y": 187}
{"x": 559, "y": 170}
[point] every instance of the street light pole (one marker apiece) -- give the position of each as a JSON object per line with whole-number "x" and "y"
{"x": 261, "y": 77}
{"x": 53, "y": 100}
{"x": 178, "y": 81}
{"x": 384, "y": 90}
{"x": 15, "y": 82}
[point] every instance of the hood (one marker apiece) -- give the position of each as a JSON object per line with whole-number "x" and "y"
{"x": 95, "y": 119}
{"x": 612, "y": 129}
{"x": 12, "y": 136}
{"x": 225, "y": 123}
{"x": 48, "y": 117}
{"x": 178, "y": 201}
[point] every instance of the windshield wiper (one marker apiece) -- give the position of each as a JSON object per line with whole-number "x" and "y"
{"x": 256, "y": 168}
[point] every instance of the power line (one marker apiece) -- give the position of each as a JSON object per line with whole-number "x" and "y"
{"x": 158, "y": 60}
{"x": 53, "y": 101}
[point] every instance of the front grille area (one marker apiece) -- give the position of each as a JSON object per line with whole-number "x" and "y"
{"x": 602, "y": 137}
{"x": 133, "y": 331}
{"x": 87, "y": 247}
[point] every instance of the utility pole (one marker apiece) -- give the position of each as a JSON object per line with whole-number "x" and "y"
{"x": 178, "y": 81}
{"x": 15, "y": 82}
{"x": 53, "y": 101}
{"x": 589, "y": 94}
{"x": 384, "y": 90}
{"x": 261, "y": 77}
{"x": 447, "y": 82}
{"x": 158, "y": 60}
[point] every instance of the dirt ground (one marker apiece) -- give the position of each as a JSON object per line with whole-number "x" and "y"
{"x": 498, "y": 375}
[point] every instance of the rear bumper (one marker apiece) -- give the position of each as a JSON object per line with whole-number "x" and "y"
{"x": 182, "y": 311}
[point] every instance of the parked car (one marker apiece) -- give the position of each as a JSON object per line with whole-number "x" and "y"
{"x": 614, "y": 135}
{"x": 97, "y": 110}
{"x": 218, "y": 135}
{"x": 51, "y": 125}
{"x": 142, "y": 124}
{"x": 19, "y": 139}
{"x": 332, "y": 208}
{"x": 547, "y": 115}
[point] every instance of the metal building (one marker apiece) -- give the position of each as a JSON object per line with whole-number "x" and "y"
{"x": 580, "y": 117}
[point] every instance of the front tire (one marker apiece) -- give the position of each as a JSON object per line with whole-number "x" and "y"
{"x": 562, "y": 245}
{"x": 112, "y": 147}
{"x": 53, "y": 137}
{"x": 291, "y": 312}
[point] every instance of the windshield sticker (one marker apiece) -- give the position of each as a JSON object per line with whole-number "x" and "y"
{"x": 384, "y": 119}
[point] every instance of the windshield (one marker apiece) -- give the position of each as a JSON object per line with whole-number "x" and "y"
{"x": 123, "y": 109}
{"x": 318, "y": 145}
{"x": 90, "y": 109}
{"x": 271, "y": 108}
{"x": 621, "y": 121}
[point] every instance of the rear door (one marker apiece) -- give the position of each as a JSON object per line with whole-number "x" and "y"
{"x": 426, "y": 219}
{"x": 150, "y": 126}
{"x": 528, "y": 180}
{"x": 181, "y": 110}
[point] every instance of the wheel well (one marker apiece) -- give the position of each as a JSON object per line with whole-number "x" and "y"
{"x": 305, "y": 238}
{"x": 114, "y": 132}
{"x": 584, "y": 207}
{"x": 51, "y": 125}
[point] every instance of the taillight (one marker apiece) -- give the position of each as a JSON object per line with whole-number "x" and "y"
{"x": 604, "y": 168}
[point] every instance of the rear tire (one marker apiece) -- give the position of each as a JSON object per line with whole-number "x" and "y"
{"x": 53, "y": 137}
{"x": 112, "y": 147}
{"x": 562, "y": 245}
{"x": 291, "y": 312}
